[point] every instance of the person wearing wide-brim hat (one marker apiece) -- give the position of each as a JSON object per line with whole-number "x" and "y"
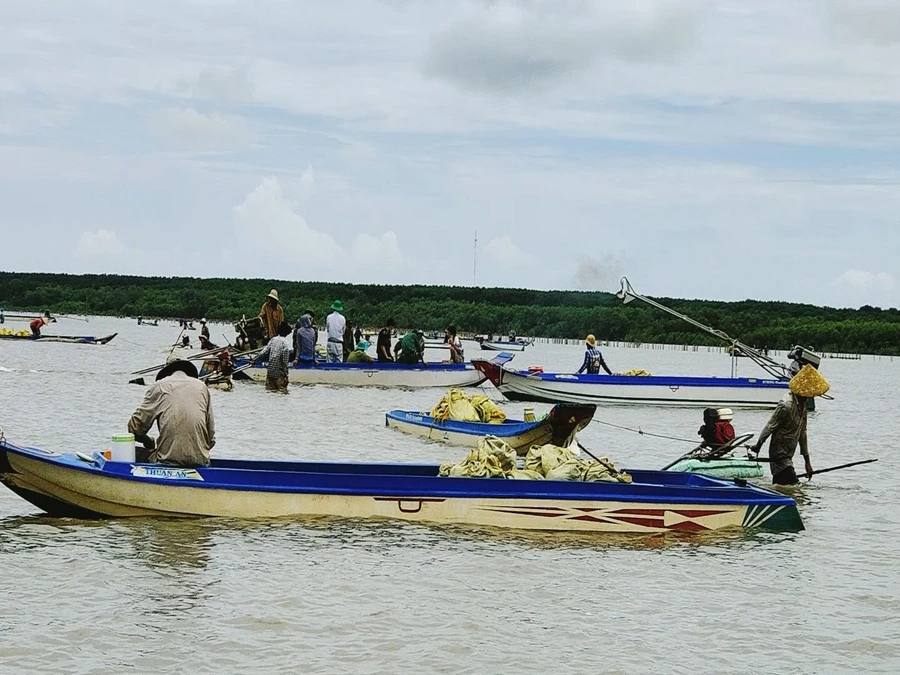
{"x": 335, "y": 325}
{"x": 593, "y": 359}
{"x": 180, "y": 405}
{"x": 787, "y": 426}
{"x": 272, "y": 314}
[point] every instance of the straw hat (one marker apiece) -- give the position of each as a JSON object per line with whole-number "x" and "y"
{"x": 173, "y": 364}
{"x": 273, "y": 294}
{"x": 809, "y": 383}
{"x": 591, "y": 341}
{"x": 337, "y": 306}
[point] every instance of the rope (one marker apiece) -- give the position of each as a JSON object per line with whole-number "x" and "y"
{"x": 646, "y": 433}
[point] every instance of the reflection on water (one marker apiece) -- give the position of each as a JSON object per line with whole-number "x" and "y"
{"x": 327, "y": 595}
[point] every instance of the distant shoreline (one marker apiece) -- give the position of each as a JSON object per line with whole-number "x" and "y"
{"x": 545, "y": 314}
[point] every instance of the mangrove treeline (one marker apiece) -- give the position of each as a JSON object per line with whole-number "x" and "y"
{"x": 555, "y": 314}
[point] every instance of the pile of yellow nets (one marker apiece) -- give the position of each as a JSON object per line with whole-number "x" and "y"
{"x": 637, "y": 372}
{"x": 494, "y": 458}
{"x": 17, "y": 333}
{"x": 459, "y": 407}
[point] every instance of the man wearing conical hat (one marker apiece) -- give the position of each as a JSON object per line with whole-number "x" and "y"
{"x": 787, "y": 426}
{"x": 272, "y": 314}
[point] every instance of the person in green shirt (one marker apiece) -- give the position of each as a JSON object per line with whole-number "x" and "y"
{"x": 359, "y": 355}
{"x": 411, "y": 348}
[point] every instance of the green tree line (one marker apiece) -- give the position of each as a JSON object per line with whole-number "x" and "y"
{"x": 554, "y": 314}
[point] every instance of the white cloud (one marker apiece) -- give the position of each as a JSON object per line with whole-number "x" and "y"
{"x": 267, "y": 223}
{"x": 189, "y": 129}
{"x": 861, "y": 281}
{"x": 99, "y": 243}
{"x": 307, "y": 179}
{"x": 503, "y": 250}
{"x": 383, "y": 250}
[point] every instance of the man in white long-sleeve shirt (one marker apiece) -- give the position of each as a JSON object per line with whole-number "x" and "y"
{"x": 335, "y": 324}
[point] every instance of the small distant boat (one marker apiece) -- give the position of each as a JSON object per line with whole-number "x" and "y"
{"x": 559, "y": 427}
{"x": 704, "y": 392}
{"x": 377, "y": 374}
{"x": 70, "y": 339}
{"x": 88, "y": 486}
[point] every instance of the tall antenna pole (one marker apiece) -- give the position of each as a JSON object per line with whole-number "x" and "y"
{"x": 475, "y": 261}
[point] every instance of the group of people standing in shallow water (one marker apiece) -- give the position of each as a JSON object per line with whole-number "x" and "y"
{"x": 344, "y": 343}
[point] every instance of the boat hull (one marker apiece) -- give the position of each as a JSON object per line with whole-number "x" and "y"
{"x": 703, "y": 392}
{"x": 63, "y": 484}
{"x": 68, "y": 339}
{"x": 558, "y": 427}
{"x": 502, "y": 346}
{"x": 378, "y": 375}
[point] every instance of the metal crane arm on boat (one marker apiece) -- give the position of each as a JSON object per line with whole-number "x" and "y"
{"x": 779, "y": 371}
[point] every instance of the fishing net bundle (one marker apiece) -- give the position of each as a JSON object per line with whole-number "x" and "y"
{"x": 458, "y": 407}
{"x": 494, "y": 458}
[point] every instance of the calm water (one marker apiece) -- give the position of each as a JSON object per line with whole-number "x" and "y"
{"x": 336, "y": 596}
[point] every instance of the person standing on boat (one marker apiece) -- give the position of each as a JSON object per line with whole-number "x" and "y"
{"x": 787, "y": 426}
{"x": 39, "y": 323}
{"x": 205, "y": 342}
{"x": 335, "y": 324}
{"x": 593, "y": 359}
{"x": 349, "y": 344}
{"x": 411, "y": 349}
{"x": 180, "y": 405}
{"x": 383, "y": 345}
{"x": 277, "y": 355}
{"x": 272, "y": 314}
{"x": 305, "y": 337}
{"x": 457, "y": 355}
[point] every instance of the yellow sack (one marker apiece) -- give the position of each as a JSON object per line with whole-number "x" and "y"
{"x": 491, "y": 458}
{"x": 604, "y": 470}
{"x": 545, "y": 458}
{"x": 572, "y": 469}
{"x": 487, "y": 409}
{"x": 525, "y": 474}
{"x": 637, "y": 372}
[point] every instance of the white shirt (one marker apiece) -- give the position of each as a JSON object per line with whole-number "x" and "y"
{"x": 334, "y": 326}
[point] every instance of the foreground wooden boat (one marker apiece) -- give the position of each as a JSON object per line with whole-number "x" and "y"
{"x": 703, "y": 392}
{"x": 79, "y": 485}
{"x": 70, "y": 339}
{"x": 559, "y": 427}
{"x": 444, "y": 375}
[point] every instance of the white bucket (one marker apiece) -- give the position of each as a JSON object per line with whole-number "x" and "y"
{"x": 122, "y": 448}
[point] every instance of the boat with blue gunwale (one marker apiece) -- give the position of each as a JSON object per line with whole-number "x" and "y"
{"x": 378, "y": 374}
{"x": 703, "y": 392}
{"x": 558, "y": 427}
{"x": 68, "y": 339}
{"x": 89, "y": 486}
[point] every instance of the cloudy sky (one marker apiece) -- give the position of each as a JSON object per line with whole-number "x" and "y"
{"x": 705, "y": 148}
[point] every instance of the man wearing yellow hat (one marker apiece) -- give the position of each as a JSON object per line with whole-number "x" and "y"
{"x": 593, "y": 359}
{"x": 787, "y": 426}
{"x": 272, "y": 314}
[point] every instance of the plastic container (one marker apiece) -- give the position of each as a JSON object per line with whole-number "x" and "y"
{"x": 122, "y": 448}
{"x": 529, "y": 414}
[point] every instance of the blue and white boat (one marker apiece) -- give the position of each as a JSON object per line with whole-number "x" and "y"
{"x": 412, "y": 376}
{"x": 703, "y": 392}
{"x": 68, "y": 339}
{"x": 559, "y": 427}
{"x": 88, "y": 486}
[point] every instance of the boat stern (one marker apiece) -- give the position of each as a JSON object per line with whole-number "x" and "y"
{"x": 567, "y": 419}
{"x": 489, "y": 369}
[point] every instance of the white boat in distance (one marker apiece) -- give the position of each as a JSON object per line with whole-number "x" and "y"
{"x": 703, "y": 392}
{"x": 415, "y": 376}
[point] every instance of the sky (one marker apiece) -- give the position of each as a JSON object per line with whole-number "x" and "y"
{"x": 705, "y": 149}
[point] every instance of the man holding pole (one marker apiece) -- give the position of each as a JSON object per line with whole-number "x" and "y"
{"x": 787, "y": 427}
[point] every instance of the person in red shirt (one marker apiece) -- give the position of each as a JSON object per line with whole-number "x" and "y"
{"x": 39, "y": 323}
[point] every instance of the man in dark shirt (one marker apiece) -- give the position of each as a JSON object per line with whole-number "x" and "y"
{"x": 383, "y": 346}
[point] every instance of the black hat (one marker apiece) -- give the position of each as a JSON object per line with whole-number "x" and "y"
{"x": 173, "y": 364}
